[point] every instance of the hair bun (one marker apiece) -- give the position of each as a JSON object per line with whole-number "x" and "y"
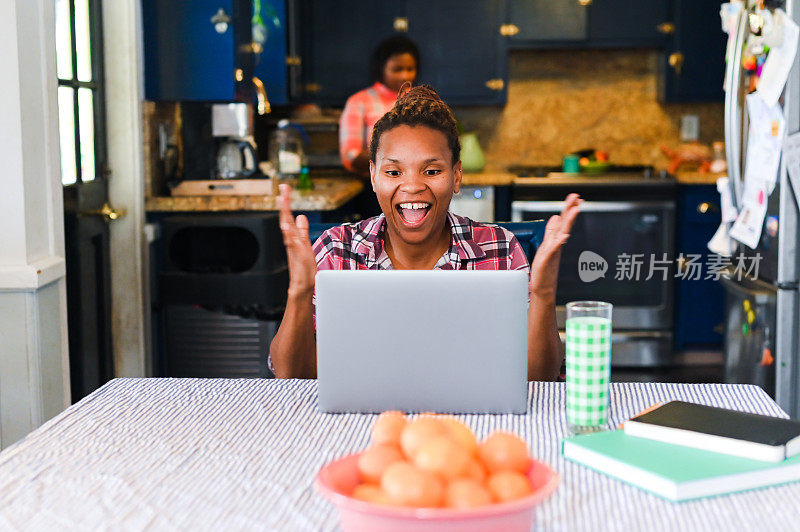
{"x": 418, "y": 106}
{"x": 420, "y": 92}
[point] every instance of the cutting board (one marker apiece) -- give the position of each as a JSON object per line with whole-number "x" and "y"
{"x": 225, "y": 187}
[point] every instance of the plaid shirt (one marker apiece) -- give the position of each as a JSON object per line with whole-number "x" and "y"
{"x": 360, "y": 113}
{"x": 473, "y": 246}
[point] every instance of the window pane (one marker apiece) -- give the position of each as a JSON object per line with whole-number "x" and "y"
{"x": 66, "y": 129}
{"x": 86, "y": 121}
{"x": 63, "y": 40}
{"x": 82, "y": 40}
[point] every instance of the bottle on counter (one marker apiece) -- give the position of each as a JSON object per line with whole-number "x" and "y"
{"x": 304, "y": 181}
{"x": 286, "y": 150}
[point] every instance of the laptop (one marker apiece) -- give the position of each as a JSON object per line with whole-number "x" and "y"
{"x": 418, "y": 341}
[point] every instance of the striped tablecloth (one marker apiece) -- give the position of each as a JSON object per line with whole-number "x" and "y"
{"x": 180, "y": 454}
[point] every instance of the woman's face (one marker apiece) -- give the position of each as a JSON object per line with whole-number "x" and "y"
{"x": 414, "y": 177}
{"x": 398, "y": 69}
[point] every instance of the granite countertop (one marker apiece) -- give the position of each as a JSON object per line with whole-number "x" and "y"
{"x": 486, "y": 177}
{"x": 696, "y": 178}
{"x": 328, "y": 194}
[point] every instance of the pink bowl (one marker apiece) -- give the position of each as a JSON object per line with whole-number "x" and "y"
{"x": 337, "y": 480}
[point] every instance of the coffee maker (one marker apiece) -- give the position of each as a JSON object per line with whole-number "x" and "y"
{"x": 233, "y": 135}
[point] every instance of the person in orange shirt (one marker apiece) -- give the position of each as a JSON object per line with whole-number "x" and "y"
{"x": 394, "y": 62}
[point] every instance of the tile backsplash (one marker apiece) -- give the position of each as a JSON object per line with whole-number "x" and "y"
{"x": 567, "y": 100}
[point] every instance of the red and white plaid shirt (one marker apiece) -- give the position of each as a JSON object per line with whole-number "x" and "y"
{"x": 360, "y": 113}
{"x": 473, "y": 246}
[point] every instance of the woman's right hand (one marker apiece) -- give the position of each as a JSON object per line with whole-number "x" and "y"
{"x": 299, "y": 253}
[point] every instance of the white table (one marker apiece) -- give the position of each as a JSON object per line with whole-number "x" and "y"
{"x": 180, "y": 454}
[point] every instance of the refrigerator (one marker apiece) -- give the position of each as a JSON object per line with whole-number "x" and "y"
{"x": 762, "y": 318}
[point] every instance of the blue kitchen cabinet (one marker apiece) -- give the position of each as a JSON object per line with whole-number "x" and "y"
{"x": 336, "y": 40}
{"x": 189, "y": 57}
{"x": 185, "y": 56}
{"x": 629, "y": 23}
{"x": 692, "y": 68}
{"x": 541, "y": 23}
{"x": 464, "y": 58}
{"x": 460, "y": 46}
{"x": 699, "y": 303}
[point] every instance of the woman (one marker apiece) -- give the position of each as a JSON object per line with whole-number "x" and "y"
{"x": 395, "y": 61}
{"x": 415, "y": 170}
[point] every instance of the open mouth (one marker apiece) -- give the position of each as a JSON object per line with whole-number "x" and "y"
{"x": 413, "y": 213}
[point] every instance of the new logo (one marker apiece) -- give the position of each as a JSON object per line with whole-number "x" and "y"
{"x": 591, "y": 266}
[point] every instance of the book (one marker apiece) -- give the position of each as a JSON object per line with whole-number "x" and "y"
{"x": 767, "y": 438}
{"x": 674, "y": 472}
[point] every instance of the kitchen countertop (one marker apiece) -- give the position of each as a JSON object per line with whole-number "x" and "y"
{"x": 696, "y": 178}
{"x": 562, "y": 180}
{"x": 487, "y": 177}
{"x": 328, "y": 194}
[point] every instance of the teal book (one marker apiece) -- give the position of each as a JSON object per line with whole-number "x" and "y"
{"x": 675, "y": 472}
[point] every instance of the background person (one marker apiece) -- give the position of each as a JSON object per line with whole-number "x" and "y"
{"x": 394, "y": 62}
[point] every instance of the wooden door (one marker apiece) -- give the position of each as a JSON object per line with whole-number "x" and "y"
{"x": 84, "y": 176}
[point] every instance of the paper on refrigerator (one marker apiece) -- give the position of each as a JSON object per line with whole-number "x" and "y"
{"x": 721, "y": 242}
{"x": 747, "y": 227}
{"x": 780, "y": 59}
{"x": 764, "y": 142}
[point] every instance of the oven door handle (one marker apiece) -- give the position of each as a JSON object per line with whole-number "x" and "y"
{"x": 589, "y": 206}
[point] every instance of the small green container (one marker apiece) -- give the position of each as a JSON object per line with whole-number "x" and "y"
{"x": 571, "y": 164}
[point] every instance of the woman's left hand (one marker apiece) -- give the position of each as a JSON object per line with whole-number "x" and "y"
{"x": 544, "y": 269}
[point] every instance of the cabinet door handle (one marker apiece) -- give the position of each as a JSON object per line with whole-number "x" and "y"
{"x": 496, "y": 84}
{"x": 706, "y": 207}
{"x": 509, "y": 30}
{"x": 667, "y": 28}
{"x": 675, "y": 60}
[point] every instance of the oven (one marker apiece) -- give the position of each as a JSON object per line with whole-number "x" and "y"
{"x": 621, "y": 250}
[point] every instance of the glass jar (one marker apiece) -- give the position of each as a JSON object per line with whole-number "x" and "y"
{"x": 286, "y": 150}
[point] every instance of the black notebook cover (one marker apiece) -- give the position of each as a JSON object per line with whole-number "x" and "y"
{"x": 766, "y": 430}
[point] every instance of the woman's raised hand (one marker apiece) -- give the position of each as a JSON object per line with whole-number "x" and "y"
{"x": 299, "y": 254}
{"x": 544, "y": 269}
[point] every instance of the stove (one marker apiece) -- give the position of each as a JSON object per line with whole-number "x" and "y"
{"x": 617, "y": 182}
{"x": 614, "y": 176}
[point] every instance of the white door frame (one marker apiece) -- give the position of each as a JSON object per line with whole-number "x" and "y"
{"x": 130, "y": 301}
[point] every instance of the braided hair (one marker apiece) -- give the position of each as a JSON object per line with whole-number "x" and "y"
{"x": 419, "y": 106}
